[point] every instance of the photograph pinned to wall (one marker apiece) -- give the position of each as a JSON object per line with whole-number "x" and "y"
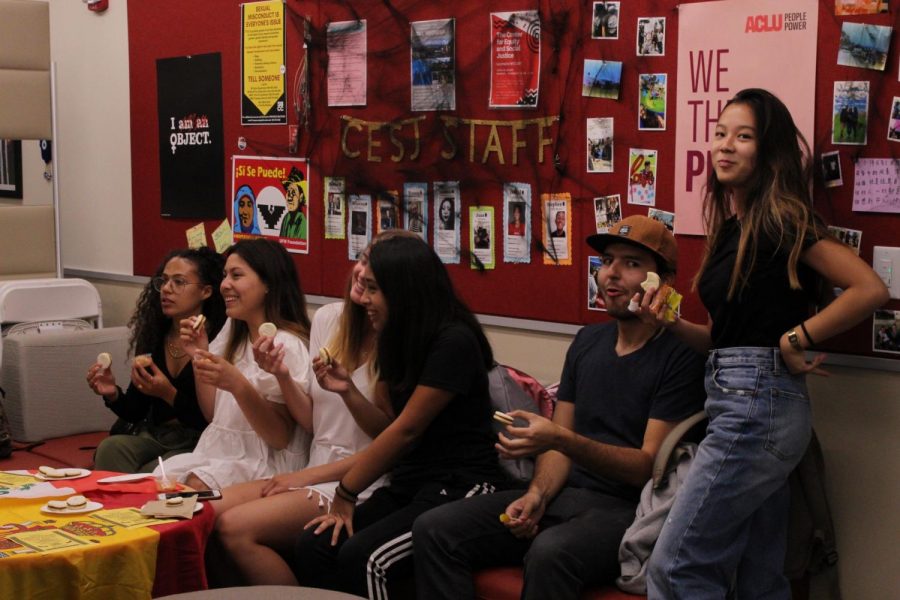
{"x": 850, "y": 112}
{"x": 335, "y": 205}
{"x": 886, "y": 331}
{"x": 270, "y": 200}
{"x": 517, "y": 216}
{"x": 651, "y": 36}
{"x": 432, "y": 65}
{"x": 850, "y": 237}
{"x": 602, "y": 79}
{"x": 346, "y": 75}
{"x": 594, "y": 297}
{"x": 642, "y": 176}
{"x": 196, "y": 236}
{"x": 860, "y": 7}
{"x": 665, "y": 217}
{"x": 607, "y": 212}
{"x": 387, "y": 211}
{"x": 11, "y": 169}
{"x": 482, "y": 237}
{"x": 605, "y": 23}
{"x": 599, "y": 133}
{"x": 864, "y": 46}
{"x": 263, "y": 60}
{"x": 894, "y": 121}
{"x": 359, "y": 225}
{"x": 876, "y": 185}
{"x": 556, "y": 222}
{"x": 831, "y": 169}
{"x": 446, "y": 221}
{"x": 652, "y": 103}
{"x": 515, "y": 59}
{"x": 415, "y": 208}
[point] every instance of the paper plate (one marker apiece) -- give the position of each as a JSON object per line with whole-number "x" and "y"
{"x": 90, "y": 506}
{"x": 81, "y": 473}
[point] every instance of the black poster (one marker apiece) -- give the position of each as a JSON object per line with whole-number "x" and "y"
{"x": 191, "y": 148}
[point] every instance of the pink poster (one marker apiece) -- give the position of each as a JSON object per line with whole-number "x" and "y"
{"x": 515, "y": 59}
{"x": 768, "y": 44}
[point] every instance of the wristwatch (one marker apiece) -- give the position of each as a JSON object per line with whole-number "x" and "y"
{"x": 794, "y": 340}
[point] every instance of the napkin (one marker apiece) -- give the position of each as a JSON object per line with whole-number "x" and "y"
{"x": 161, "y": 510}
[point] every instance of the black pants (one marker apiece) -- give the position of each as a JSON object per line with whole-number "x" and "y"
{"x": 380, "y": 552}
{"x": 577, "y": 544}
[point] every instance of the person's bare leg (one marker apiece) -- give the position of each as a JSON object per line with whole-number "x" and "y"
{"x": 237, "y": 494}
{"x": 195, "y": 483}
{"x": 254, "y": 532}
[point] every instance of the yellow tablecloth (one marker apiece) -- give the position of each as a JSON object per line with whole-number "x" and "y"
{"x": 106, "y": 554}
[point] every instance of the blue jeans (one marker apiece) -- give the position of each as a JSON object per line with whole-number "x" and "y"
{"x": 728, "y": 526}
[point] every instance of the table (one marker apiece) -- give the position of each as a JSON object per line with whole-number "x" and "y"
{"x": 98, "y": 554}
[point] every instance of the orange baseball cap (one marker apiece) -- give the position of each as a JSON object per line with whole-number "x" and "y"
{"x": 643, "y": 232}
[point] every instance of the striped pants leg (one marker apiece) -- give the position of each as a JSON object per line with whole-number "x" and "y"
{"x": 379, "y": 555}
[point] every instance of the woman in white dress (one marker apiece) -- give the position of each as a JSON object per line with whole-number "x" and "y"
{"x": 264, "y": 518}
{"x": 251, "y": 387}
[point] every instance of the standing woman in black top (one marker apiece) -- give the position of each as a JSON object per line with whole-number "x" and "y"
{"x": 432, "y": 386}
{"x": 160, "y": 402}
{"x": 767, "y": 255}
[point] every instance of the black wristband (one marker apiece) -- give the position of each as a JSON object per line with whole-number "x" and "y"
{"x": 346, "y": 494}
{"x": 806, "y": 333}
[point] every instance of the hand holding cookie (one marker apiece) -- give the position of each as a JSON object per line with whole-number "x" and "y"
{"x": 215, "y": 370}
{"x": 330, "y": 374}
{"x": 270, "y": 356}
{"x": 193, "y": 334}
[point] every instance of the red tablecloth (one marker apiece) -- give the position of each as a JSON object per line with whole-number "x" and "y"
{"x": 179, "y": 562}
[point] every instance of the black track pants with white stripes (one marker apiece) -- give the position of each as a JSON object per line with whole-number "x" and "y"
{"x": 380, "y": 552}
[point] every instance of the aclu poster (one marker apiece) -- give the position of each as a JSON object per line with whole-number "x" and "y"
{"x": 269, "y": 198}
{"x": 191, "y": 147}
{"x": 769, "y": 44}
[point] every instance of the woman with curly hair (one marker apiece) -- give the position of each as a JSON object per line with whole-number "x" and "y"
{"x": 160, "y": 402}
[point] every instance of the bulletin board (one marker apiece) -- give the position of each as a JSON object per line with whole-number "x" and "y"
{"x": 551, "y": 159}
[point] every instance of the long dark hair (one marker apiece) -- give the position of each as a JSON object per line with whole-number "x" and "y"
{"x": 421, "y": 302}
{"x": 778, "y": 201}
{"x": 285, "y": 305}
{"x": 148, "y": 323}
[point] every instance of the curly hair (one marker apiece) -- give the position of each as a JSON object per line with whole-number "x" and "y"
{"x": 149, "y": 324}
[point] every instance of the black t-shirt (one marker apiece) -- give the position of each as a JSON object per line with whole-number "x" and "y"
{"x": 766, "y": 307}
{"x": 614, "y": 396}
{"x": 135, "y": 406}
{"x": 458, "y": 445}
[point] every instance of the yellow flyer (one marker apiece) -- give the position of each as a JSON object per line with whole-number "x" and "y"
{"x": 221, "y": 236}
{"x": 263, "y": 97}
{"x": 196, "y": 236}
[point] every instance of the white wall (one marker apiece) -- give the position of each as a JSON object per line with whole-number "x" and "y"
{"x": 94, "y": 128}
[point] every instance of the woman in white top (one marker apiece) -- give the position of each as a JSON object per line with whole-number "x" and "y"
{"x": 263, "y": 518}
{"x": 252, "y": 388}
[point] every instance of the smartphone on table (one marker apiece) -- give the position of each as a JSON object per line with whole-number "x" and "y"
{"x": 201, "y": 494}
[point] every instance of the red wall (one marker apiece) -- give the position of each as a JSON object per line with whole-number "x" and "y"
{"x": 166, "y": 28}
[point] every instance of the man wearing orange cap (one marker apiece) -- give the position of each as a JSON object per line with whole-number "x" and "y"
{"x": 625, "y": 384}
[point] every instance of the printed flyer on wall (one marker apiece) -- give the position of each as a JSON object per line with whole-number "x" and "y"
{"x": 263, "y": 64}
{"x": 269, "y": 199}
{"x": 515, "y": 59}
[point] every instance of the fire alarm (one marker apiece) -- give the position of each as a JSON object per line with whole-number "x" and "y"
{"x": 97, "y": 5}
